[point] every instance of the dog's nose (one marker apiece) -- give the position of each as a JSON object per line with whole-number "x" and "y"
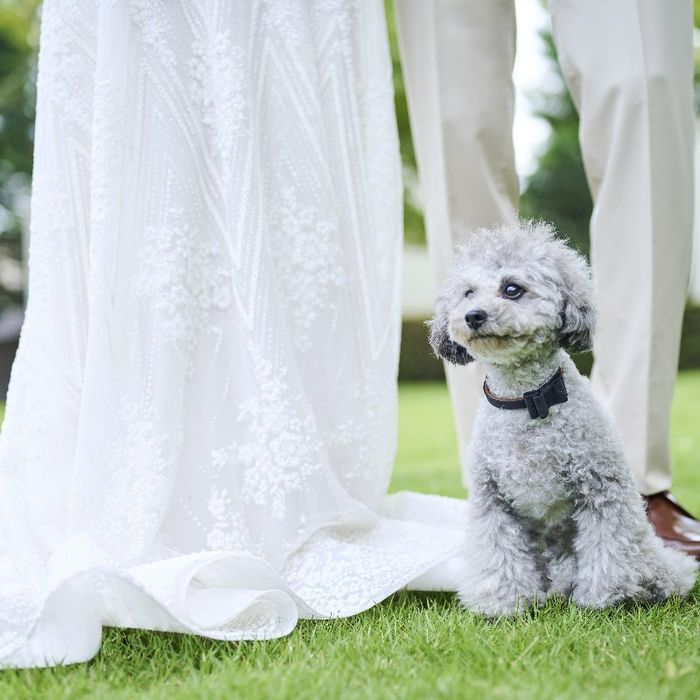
{"x": 476, "y": 318}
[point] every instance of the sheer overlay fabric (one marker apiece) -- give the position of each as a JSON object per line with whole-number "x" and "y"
{"x": 201, "y": 420}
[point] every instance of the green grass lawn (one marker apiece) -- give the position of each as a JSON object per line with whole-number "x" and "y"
{"x": 415, "y": 645}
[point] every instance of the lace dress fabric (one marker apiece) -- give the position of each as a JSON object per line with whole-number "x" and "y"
{"x": 201, "y": 420}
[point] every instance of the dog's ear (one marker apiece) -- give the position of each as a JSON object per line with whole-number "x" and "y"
{"x": 443, "y": 346}
{"x": 578, "y": 308}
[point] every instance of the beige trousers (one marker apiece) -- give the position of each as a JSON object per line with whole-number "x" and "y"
{"x": 629, "y": 67}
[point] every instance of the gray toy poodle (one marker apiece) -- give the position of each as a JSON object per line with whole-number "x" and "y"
{"x": 553, "y": 508}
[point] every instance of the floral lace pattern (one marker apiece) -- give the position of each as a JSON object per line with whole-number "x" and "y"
{"x": 186, "y": 278}
{"x": 281, "y": 450}
{"x": 134, "y": 476}
{"x": 201, "y": 419}
{"x": 217, "y": 71}
{"x": 228, "y": 530}
{"x": 308, "y": 265}
{"x": 151, "y": 21}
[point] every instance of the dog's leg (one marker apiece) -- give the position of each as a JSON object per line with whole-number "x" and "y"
{"x": 560, "y": 558}
{"x": 502, "y": 572}
{"x": 618, "y": 555}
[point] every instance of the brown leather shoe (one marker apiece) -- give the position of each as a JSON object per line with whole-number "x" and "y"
{"x": 673, "y": 523}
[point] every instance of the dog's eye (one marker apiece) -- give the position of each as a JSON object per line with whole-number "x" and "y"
{"x": 469, "y": 292}
{"x": 513, "y": 291}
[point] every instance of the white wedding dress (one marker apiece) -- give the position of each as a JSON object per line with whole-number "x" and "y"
{"x": 201, "y": 420}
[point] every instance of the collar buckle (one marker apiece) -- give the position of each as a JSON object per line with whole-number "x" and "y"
{"x": 538, "y": 401}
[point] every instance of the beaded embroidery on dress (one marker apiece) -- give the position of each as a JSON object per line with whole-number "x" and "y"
{"x": 200, "y": 425}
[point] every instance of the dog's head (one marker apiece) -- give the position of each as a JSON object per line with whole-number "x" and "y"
{"x": 512, "y": 292}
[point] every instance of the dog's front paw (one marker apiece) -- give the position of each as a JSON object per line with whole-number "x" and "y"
{"x": 604, "y": 594}
{"x": 596, "y": 601}
{"x": 676, "y": 574}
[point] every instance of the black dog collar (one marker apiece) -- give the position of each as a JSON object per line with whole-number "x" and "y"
{"x": 539, "y": 401}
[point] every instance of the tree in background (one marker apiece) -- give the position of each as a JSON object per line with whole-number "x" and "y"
{"x": 414, "y": 226}
{"x": 558, "y": 191}
{"x": 18, "y": 39}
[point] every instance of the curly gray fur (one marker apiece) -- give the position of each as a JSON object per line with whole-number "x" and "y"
{"x": 553, "y": 508}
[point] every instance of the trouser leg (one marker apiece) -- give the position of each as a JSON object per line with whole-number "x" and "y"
{"x": 457, "y": 58}
{"x": 629, "y": 68}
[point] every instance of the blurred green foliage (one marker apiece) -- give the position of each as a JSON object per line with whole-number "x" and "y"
{"x": 18, "y": 40}
{"x": 16, "y": 88}
{"x": 690, "y": 339}
{"x": 417, "y": 362}
{"x": 414, "y": 227}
